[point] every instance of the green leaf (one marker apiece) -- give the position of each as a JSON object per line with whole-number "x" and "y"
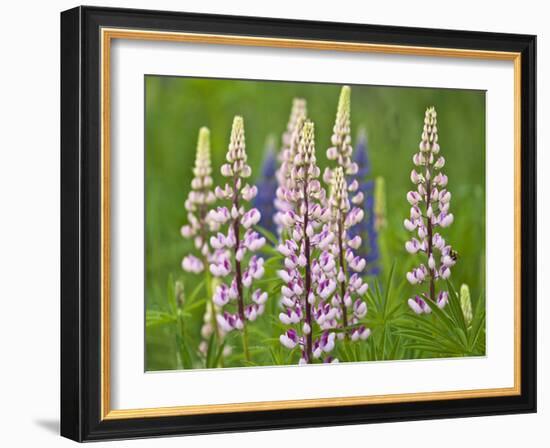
{"x": 186, "y": 360}
{"x": 196, "y": 304}
{"x": 388, "y": 289}
{"x": 447, "y": 322}
{"x": 275, "y": 357}
{"x": 423, "y": 329}
{"x": 418, "y": 335}
{"x": 455, "y": 308}
{"x": 194, "y": 295}
{"x": 211, "y": 350}
{"x": 394, "y": 350}
{"x": 171, "y": 294}
{"x": 269, "y": 235}
{"x": 477, "y": 329}
{"x": 432, "y": 350}
{"x": 181, "y": 342}
{"x": 219, "y": 354}
{"x": 154, "y": 317}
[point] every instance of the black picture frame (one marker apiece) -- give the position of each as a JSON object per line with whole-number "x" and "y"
{"x": 81, "y": 224}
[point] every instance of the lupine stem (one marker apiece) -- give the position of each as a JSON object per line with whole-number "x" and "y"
{"x": 238, "y": 271}
{"x": 429, "y": 229}
{"x": 344, "y": 218}
{"x": 307, "y": 248}
{"x": 343, "y": 267}
{"x": 208, "y": 278}
{"x": 430, "y": 191}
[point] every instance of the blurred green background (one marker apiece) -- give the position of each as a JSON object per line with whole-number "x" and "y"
{"x": 392, "y": 116}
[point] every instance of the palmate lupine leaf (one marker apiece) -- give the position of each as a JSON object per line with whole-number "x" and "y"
{"x": 155, "y": 317}
{"x": 194, "y": 296}
{"x": 171, "y": 295}
{"x": 275, "y": 355}
{"x": 449, "y": 323}
{"x": 477, "y": 329}
{"x": 174, "y": 315}
{"x": 445, "y": 332}
{"x": 162, "y": 317}
{"x": 455, "y": 310}
{"x": 214, "y": 352}
{"x": 219, "y": 354}
{"x": 195, "y": 299}
{"x": 384, "y": 317}
{"x": 431, "y": 335}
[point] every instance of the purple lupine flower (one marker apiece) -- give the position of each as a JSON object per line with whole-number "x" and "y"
{"x": 419, "y": 305}
{"x": 198, "y": 201}
{"x": 234, "y": 255}
{"x": 352, "y": 288}
{"x": 267, "y": 189}
{"x": 366, "y": 230}
{"x": 309, "y": 270}
{"x": 429, "y": 211}
{"x": 199, "y": 227}
{"x": 341, "y": 150}
{"x": 209, "y": 326}
{"x": 290, "y": 142}
{"x": 346, "y": 214}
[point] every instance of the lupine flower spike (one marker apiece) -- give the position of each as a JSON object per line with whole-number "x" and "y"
{"x": 341, "y": 149}
{"x": 308, "y": 280}
{"x": 290, "y": 141}
{"x": 234, "y": 261}
{"x": 349, "y": 298}
{"x": 267, "y": 188}
{"x": 199, "y": 200}
{"x": 352, "y": 288}
{"x": 367, "y": 228}
{"x": 429, "y": 211}
{"x": 197, "y": 204}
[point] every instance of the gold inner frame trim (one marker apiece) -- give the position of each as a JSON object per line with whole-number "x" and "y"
{"x": 107, "y": 35}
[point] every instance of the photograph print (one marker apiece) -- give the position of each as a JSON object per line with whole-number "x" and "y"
{"x": 293, "y": 223}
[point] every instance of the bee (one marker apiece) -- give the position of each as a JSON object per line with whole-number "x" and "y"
{"x": 453, "y": 255}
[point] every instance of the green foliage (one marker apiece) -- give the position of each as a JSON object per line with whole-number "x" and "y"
{"x": 445, "y": 332}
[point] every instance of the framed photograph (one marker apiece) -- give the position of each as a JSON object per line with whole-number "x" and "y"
{"x": 275, "y": 224}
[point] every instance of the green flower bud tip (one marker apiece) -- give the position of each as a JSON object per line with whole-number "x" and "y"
{"x": 179, "y": 292}
{"x": 466, "y": 304}
{"x": 344, "y": 102}
{"x": 380, "y": 203}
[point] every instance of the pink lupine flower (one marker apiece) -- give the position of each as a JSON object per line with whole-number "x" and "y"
{"x": 360, "y": 333}
{"x": 325, "y": 344}
{"x": 190, "y": 263}
{"x": 430, "y": 211}
{"x": 290, "y": 339}
{"x": 200, "y": 225}
{"x": 284, "y": 196}
{"x": 442, "y": 299}
{"x": 222, "y": 266}
{"x": 331, "y": 360}
{"x": 341, "y": 149}
{"x": 238, "y": 243}
{"x": 209, "y": 326}
{"x": 344, "y": 217}
{"x": 309, "y": 270}
{"x": 419, "y": 306}
{"x": 198, "y": 201}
